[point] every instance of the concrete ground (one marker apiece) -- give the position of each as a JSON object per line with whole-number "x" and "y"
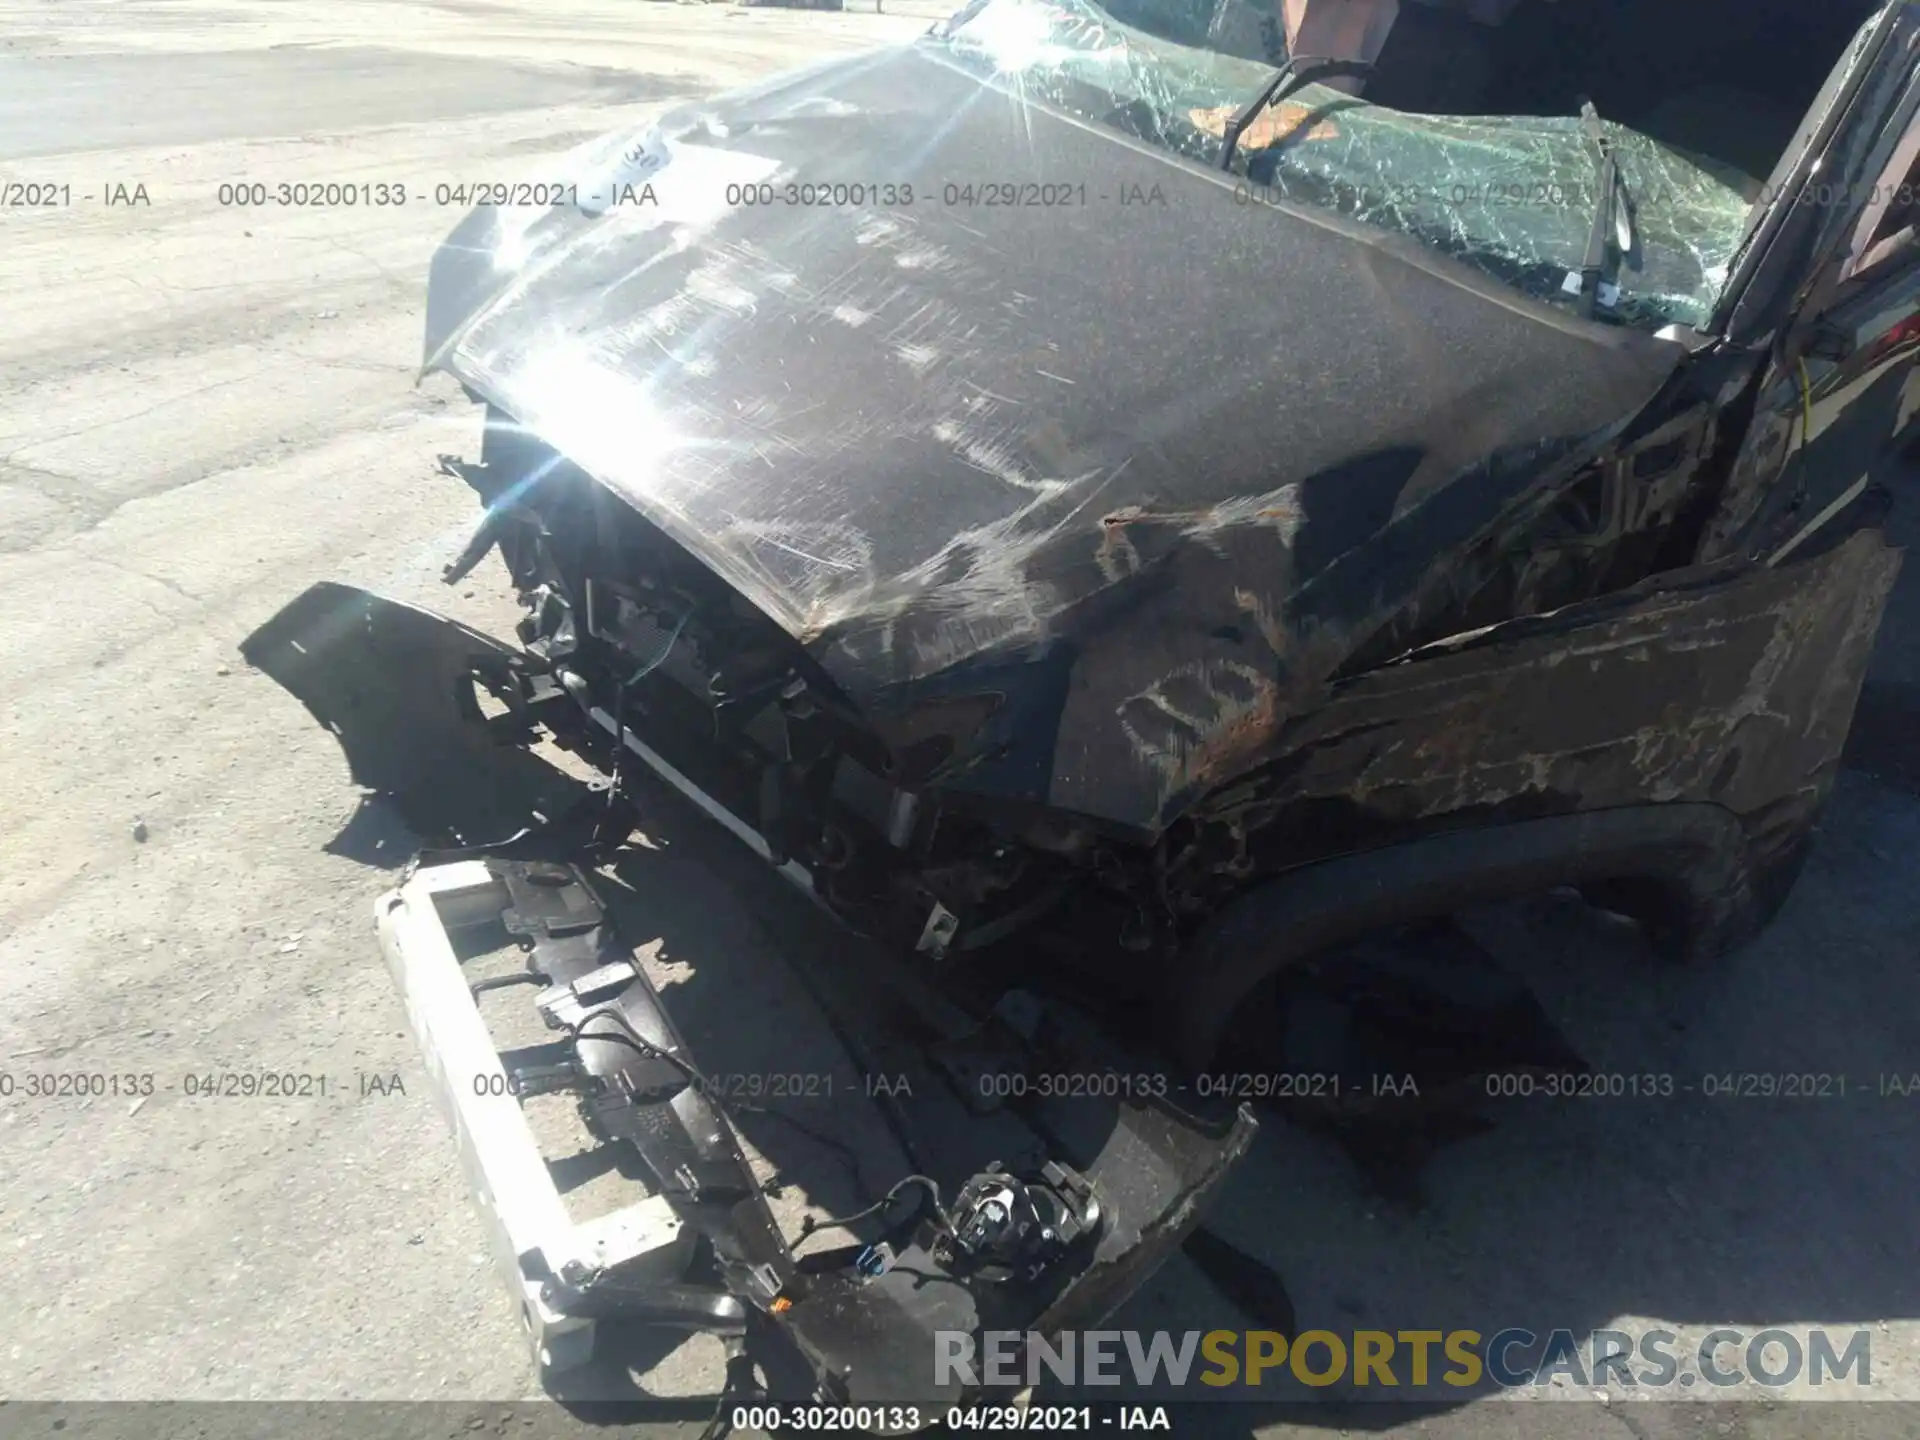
{"x": 205, "y": 409}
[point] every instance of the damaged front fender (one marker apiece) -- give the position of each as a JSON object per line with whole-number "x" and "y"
{"x": 1673, "y": 743}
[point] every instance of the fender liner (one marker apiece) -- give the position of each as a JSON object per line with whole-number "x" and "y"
{"x": 1694, "y": 856}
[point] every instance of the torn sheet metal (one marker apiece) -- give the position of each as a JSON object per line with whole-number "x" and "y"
{"x": 1730, "y": 688}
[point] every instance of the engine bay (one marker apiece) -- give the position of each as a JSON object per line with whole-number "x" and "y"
{"x": 640, "y": 635}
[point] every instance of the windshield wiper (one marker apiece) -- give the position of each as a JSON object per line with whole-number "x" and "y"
{"x": 1293, "y": 74}
{"x": 1610, "y": 239}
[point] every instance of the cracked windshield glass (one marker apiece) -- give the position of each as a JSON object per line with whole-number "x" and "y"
{"x": 1513, "y": 196}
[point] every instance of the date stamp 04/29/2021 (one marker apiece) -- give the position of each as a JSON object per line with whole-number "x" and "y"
{"x": 296, "y": 1083}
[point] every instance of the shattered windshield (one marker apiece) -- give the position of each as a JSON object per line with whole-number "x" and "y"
{"x": 1512, "y": 196}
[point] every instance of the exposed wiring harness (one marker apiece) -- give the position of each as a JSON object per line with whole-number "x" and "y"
{"x": 633, "y": 1040}
{"x": 740, "y": 1382}
{"x": 840, "y": 1222}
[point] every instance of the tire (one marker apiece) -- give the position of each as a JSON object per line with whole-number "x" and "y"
{"x": 1684, "y": 866}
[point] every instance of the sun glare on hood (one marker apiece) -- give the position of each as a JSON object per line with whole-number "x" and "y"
{"x": 1014, "y": 34}
{"x": 611, "y": 429}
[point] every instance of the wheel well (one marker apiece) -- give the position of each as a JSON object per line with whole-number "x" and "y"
{"x": 1679, "y": 869}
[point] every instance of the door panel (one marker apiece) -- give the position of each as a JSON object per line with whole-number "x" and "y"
{"x": 1826, "y": 425}
{"x": 1839, "y": 384}
{"x": 1814, "y": 198}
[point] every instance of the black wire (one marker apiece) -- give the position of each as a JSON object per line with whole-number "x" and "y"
{"x": 619, "y": 758}
{"x": 858, "y": 1052}
{"x": 841, "y": 1222}
{"x": 620, "y": 710}
{"x": 635, "y": 1041}
{"x": 738, "y": 1383}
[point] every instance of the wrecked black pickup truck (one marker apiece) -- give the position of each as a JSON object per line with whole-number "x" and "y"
{"x": 1117, "y": 519}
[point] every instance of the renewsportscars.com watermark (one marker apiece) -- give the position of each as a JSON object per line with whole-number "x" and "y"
{"x": 1405, "y": 1364}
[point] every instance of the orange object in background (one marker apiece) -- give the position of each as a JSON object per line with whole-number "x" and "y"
{"x": 1268, "y": 127}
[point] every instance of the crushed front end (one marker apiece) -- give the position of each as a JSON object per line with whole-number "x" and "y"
{"x": 844, "y": 798}
{"x": 1012, "y": 1211}
{"x": 1324, "y": 571}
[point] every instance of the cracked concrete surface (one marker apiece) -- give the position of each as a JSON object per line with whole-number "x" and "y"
{"x": 205, "y": 409}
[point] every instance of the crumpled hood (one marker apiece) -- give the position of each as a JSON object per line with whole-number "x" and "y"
{"x": 913, "y": 426}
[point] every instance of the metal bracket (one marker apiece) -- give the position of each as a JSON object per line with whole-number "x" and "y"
{"x": 543, "y": 1257}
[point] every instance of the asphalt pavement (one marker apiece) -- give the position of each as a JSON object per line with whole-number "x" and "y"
{"x": 206, "y": 407}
